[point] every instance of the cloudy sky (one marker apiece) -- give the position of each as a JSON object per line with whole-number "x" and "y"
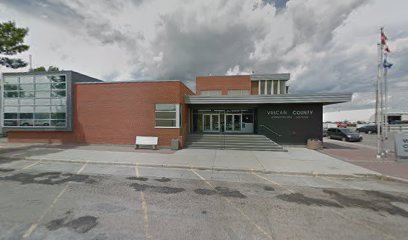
{"x": 327, "y": 46}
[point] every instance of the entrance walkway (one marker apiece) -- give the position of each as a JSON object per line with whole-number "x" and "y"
{"x": 365, "y": 156}
{"x": 295, "y": 161}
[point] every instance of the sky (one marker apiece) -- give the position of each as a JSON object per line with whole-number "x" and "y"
{"x": 327, "y": 46}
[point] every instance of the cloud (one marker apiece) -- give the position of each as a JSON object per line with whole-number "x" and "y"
{"x": 327, "y": 46}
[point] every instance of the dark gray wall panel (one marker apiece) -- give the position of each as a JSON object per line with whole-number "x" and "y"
{"x": 295, "y": 123}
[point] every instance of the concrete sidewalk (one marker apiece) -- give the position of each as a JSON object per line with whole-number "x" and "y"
{"x": 295, "y": 161}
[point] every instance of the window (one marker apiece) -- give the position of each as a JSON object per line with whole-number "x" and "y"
{"x": 211, "y": 93}
{"x": 238, "y": 92}
{"x": 262, "y": 87}
{"x": 271, "y": 87}
{"x": 35, "y": 101}
{"x": 167, "y": 116}
{"x": 275, "y": 87}
{"x": 268, "y": 87}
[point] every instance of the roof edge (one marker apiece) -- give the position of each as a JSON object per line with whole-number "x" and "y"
{"x": 132, "y": 81}
{"x": 265, "y": 99}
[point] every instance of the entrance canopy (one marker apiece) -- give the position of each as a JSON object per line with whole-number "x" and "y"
{"x": 323, "y": 98}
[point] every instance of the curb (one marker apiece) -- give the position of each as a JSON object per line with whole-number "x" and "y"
{"x": 314, "y": 174}
{"x": 392, "y": 178}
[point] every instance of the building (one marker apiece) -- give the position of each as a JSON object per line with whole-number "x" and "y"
{"x": 68, "y": 107}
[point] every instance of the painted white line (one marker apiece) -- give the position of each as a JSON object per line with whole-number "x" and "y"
{"x": 83, "y": 167}
{"x": 144, "y": 206}
{"x": 31, "y": 165}
{"x": 259, "y": 228}
{"x": 35, "y": 225}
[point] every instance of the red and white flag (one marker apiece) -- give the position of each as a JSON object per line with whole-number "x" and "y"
{"x": 383, "y": 38}
{"x": 384, "y": 41}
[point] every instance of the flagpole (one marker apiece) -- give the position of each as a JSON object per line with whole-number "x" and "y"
{"x": 382, "y": 103}
{"x": 382, "y": 96}
{"x": 378, "y": 102}
{"x": 377, "y": 86}
{"x": 386, "y": 101}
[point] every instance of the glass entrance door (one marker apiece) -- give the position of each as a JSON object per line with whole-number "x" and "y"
{"x": 233, "y": 122}
{"x": 211, "y": 122}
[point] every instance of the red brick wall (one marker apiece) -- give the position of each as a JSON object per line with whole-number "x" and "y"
{"x": 254, "y": 88}
{"x": 185, "y": 112}
{"x": 223, "y": 83}
{"x": 114, "y": 113}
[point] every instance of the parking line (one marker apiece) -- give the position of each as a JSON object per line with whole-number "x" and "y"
{"x": 235, "y": 207}
{"x": 83, "y": 167}
{"x": 389, "y": 236}
{"x": 31, "y": 165}
{"x": 35, "y": 225}
{"x": 144, "y": 206}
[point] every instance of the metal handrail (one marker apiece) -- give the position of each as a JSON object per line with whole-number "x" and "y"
{"x": 277, "y": 134}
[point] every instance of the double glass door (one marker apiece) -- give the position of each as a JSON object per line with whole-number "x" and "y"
{"x": 233, "y": 122}
{"x": 211, "y": 122}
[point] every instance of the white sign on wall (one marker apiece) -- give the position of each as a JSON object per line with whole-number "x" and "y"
{"x": 401, "y": 145}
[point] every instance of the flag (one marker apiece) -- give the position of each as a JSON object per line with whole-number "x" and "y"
{"x": 386, "y": 64}
{"x": 384, "y": 40}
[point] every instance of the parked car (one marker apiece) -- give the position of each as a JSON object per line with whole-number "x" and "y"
{"x": 367, "y": 129}
{"x": 325, "y": 132}
{"x": 344, "y": 134}
{"x": 341, "y": 125}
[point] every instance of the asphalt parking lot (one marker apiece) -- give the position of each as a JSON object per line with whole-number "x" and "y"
{"x": 45, "y": 200}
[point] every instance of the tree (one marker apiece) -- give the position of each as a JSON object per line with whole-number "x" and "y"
{"x": 11, "y": 43}
{"x": 39, "y": 69}
{"x": 53, "y": 69}
{"x": 43, "y": 69}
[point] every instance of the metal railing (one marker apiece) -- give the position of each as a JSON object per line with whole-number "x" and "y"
{"x": 267, "y": 128}
{"x": 398, "y": 127}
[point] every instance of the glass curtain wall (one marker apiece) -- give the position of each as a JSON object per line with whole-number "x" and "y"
{"x": 33, "y": 101}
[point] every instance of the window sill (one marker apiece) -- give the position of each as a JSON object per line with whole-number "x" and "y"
{"x": 166, "y": 127}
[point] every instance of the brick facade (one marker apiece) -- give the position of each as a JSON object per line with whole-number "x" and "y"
{"x": 223, "y": 83}
{"x": 254, "y": 88}
{"x": 114, "y": 113}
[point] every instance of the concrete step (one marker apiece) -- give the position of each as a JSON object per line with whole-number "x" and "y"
{"x": 240, "y": 148}
{"x": 234, "y": 145}
{"x": 233, "y": 142}
{"x": 229, "y": 141}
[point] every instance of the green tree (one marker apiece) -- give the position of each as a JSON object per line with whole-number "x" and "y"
{"x": 11, "y": 43}
{"x": 43, "y": 69}
{"x": 39, "y": 69}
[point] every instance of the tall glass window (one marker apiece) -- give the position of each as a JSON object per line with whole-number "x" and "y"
{"x": 272, "y": 87}
{"x": 262, "y": 87}
{"x": 275, "y": 87}
{"x": 35, "y": 101}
